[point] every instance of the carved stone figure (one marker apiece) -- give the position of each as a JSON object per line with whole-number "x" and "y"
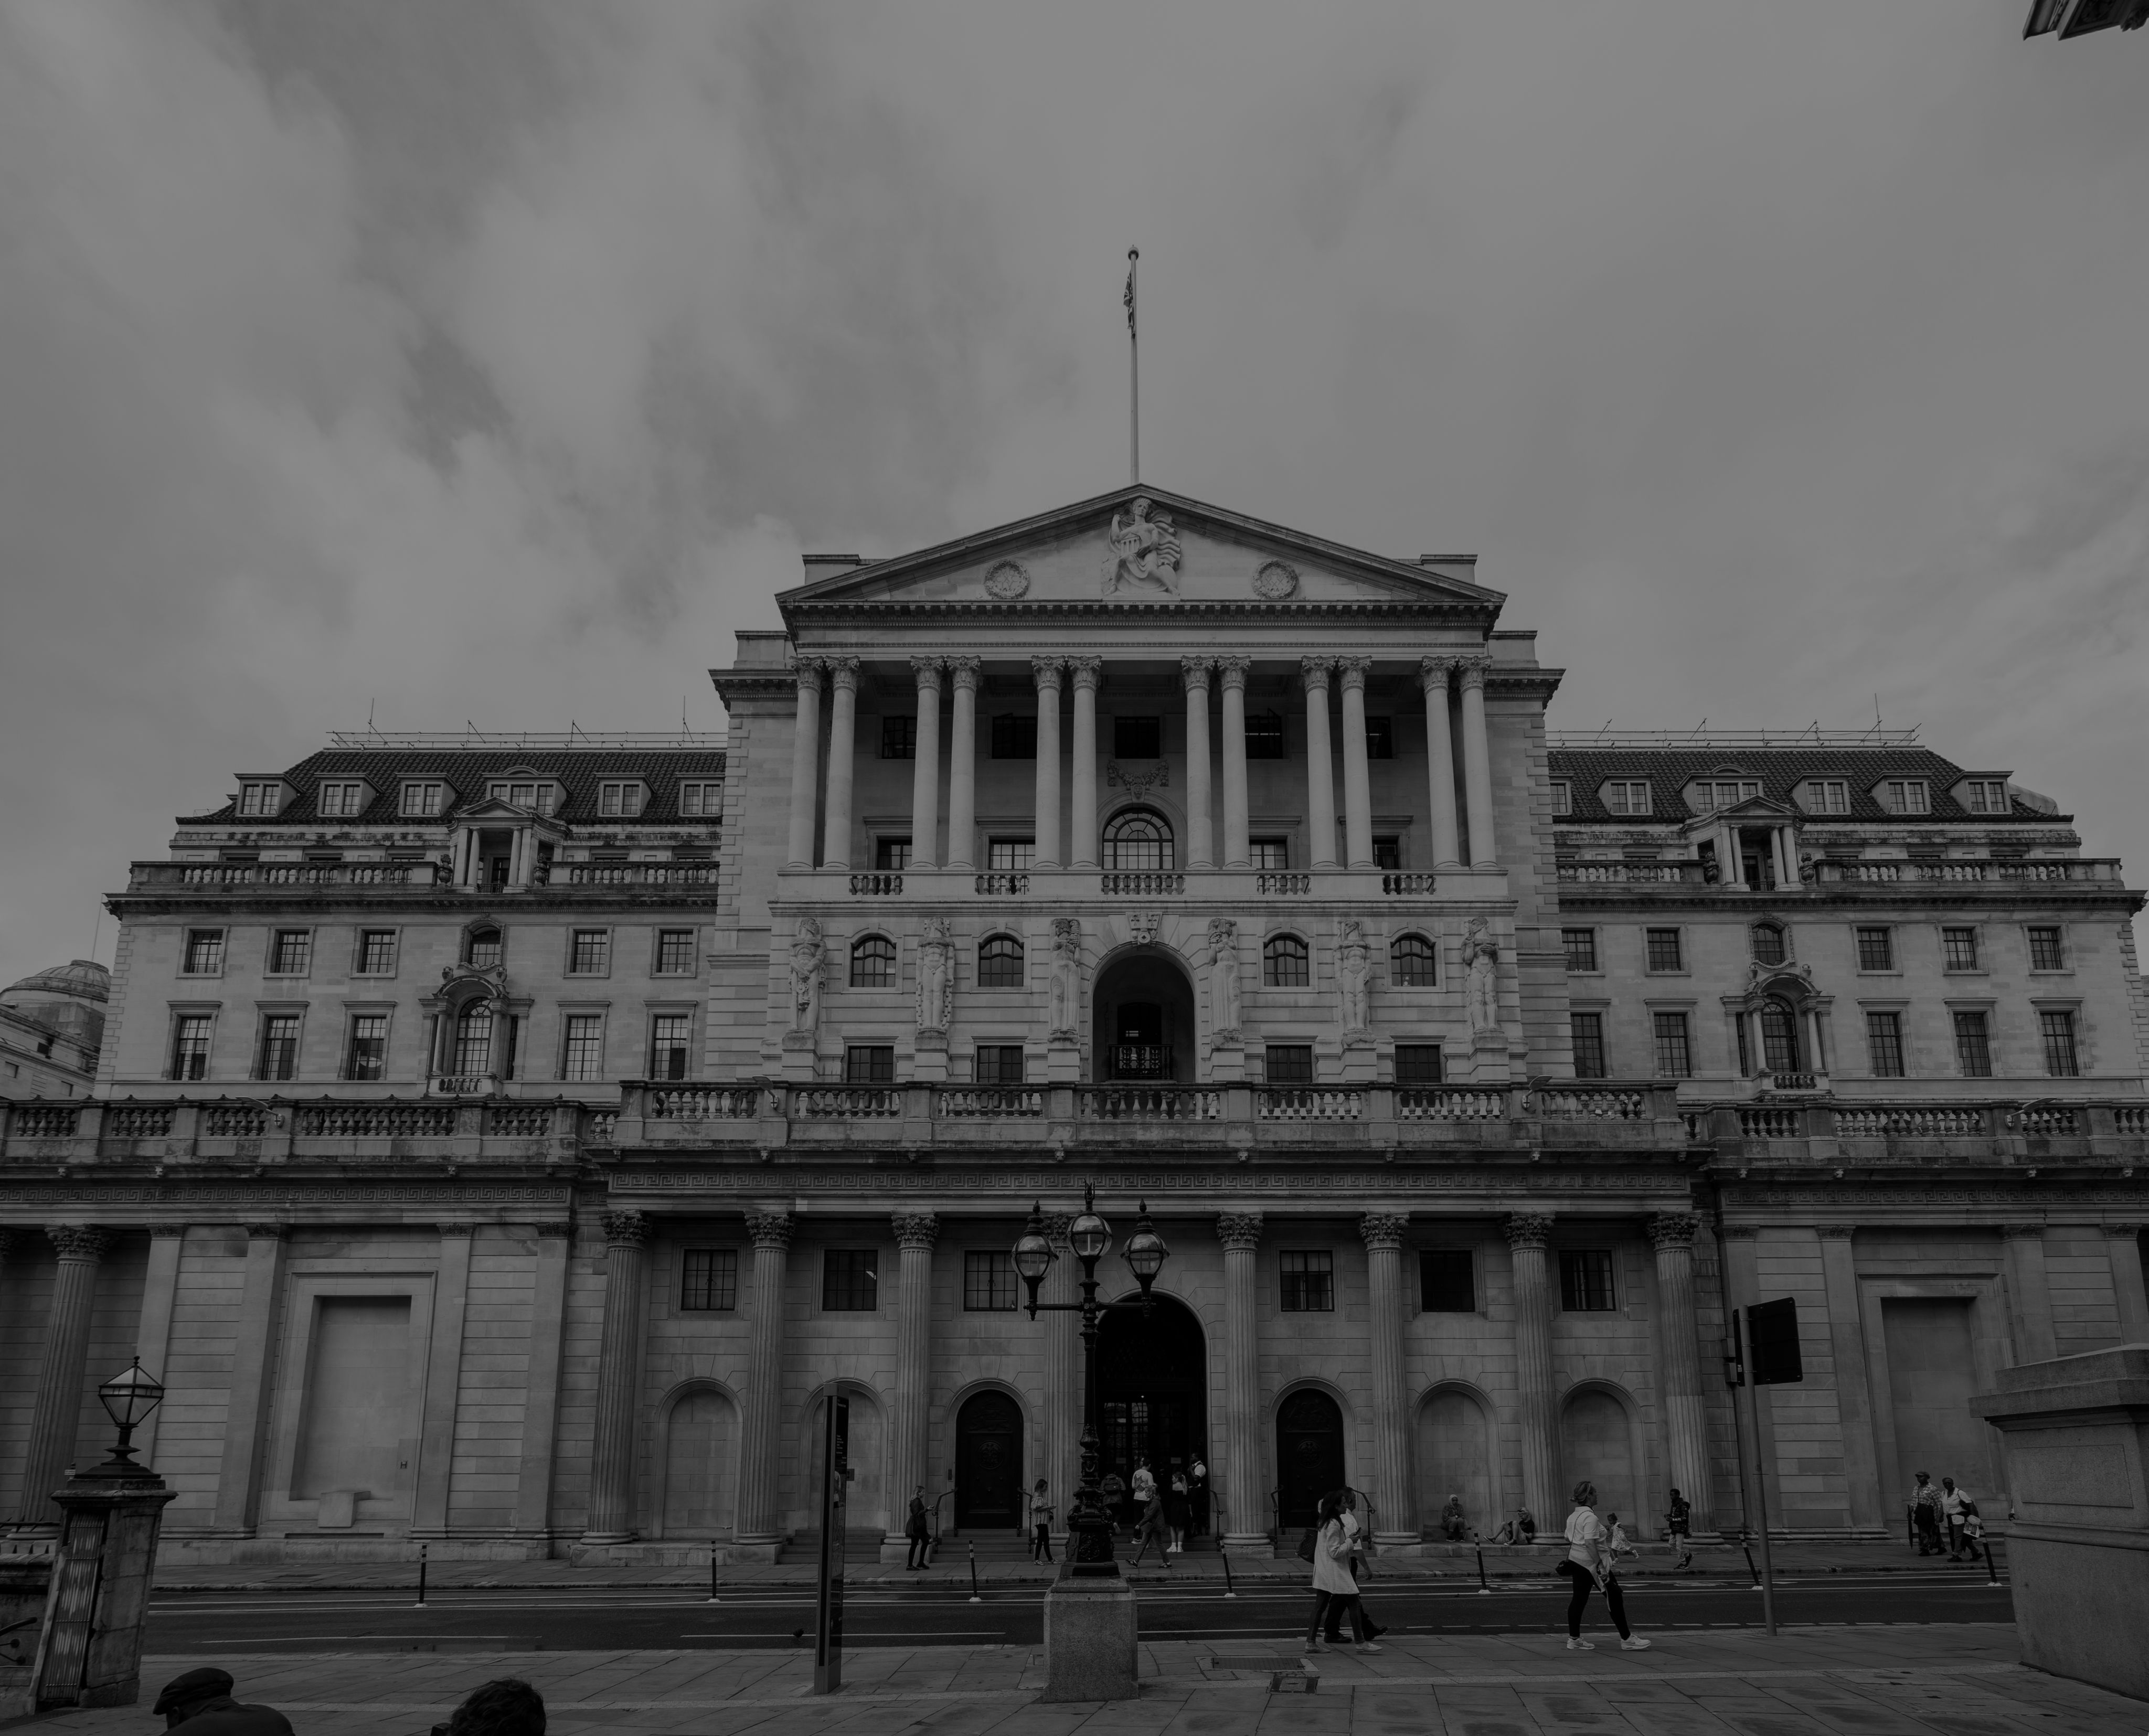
{"x": 1145, "y": 556}
{"x": 1223, "y": 979}
{"x": 1351, "y": 973}
{"x": 936, "y": 976}
{"x": 808, "y": 962}
{"x": 1065, "y": 990}
{"x": 1482, "y": 953}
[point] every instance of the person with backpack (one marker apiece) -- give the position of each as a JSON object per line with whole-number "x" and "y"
{"x": 1590, "y": 1565}
{"x": 1327, "y": 1545}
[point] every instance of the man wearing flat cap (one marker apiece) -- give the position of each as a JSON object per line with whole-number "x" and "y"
{"x": 201, "y": 1700}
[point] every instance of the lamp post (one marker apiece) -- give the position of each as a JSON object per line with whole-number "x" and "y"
{"x": 128, "y": 1397}
{"x": 1090, "y": 1554}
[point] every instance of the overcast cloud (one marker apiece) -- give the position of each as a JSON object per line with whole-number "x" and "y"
{"x": 493, "y": 362}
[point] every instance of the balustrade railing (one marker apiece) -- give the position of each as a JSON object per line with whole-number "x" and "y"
{"x": 1000, "y": 885}
{"x": 1122, "y": 884}
{"x": 1918, "y": 1121}
{"x": 705, "y": 1103}
{"x": 234, "y": 1120}
{"x": 1573, "y": 872}
{"x": 1306, "y": 1103}
{"x": 377, "y": 1121}
{"x": 138, "y": 1121}
{"x": 1139, "y": 1061}
{"x": 2131, "y": 1119}
{"x": 518, "y": 1120}
{"x": 876, "y": 886}
{"x": 969, "y": 1102}
{"x": 209, "y": 876}
{"x": 1565, "y": 1104}
{"x": 1790, "y": 1082}
{"x": 2012, "y": 870}
{"x": 44, "y": 1121}
{"x": 599, "y": 1125}
{"x": 1771, "y": 1124}
{"x": 1270, "y": 884}
{"x": 461, "y": 1084}
{"x": 2043, "y": 1121}
{"x": 636, "y": 874}
{"x": 1449, "y": 1103}
{"x": 1148, "y": 1103}
{"x": 846, "y": 1103}
{"x": 1395, "y": 885}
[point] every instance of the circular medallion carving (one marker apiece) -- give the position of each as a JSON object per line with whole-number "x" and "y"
{"x": 1276, "y": 581}
{"x": 1007, "y": 579}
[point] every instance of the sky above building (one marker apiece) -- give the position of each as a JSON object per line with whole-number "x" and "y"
{"x": 486, "y": 364}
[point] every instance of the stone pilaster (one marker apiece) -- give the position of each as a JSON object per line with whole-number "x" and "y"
{"x": 1357, "y": 781}
{"x": 1854, "y": 1388}
{"x": 1200, "y": 842}
{"x": 1048, "y": 672}
{"x": 915, "y": 1233}
{"x": 57, "y": 1413}
{"x": 1477, "y": 762}
{"x": 246, "y": 1412}
{"x": 1432, "y": 675}
{"x": 2123, "y": 1246}
{"x": 1313, "y": 675}
{"x": 1686, "y": 1429}
{"x": 761, "y": 1432}
{"x": 1527, "y": 1236}
{"x": 842, "y": 741}
{"x": 1395, "y": 1518}
{"x": 1084, "y": 674}
{"x": 964, "y": 675}
{"x": 805, "y": 763}
{"x": 925, "y": 767}
{"x": 1245, "y": 1491}
{"x": 619, "y": 1381}
{"x": 1231, "y": 674}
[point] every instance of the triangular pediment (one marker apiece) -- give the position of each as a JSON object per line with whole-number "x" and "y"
{"x": 1142, "y": 547}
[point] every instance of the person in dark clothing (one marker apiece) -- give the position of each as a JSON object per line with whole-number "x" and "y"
{"x": 916, "y": 1531}
{"x": 1678, "y": 1521}
{"x": 1197, "y": 1497}
{"x": 504, "y": 1707}
{"x": 201, "y": 1700}
{"x": 1925, "y": 1516}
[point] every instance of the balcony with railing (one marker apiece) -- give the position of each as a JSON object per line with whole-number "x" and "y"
{"x": 1852, "y": 876}
{"x": 818, "y": 888}
{"x": 257, "y": 1131}
{"x": 273, "y": 879}
{"x": 2034, "y": 1132}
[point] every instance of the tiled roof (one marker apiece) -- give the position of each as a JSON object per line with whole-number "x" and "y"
{"x": 579, "y": 773}
{"x": 1779, "y": 770}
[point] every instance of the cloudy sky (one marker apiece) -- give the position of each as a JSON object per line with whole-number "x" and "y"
{"x": 492, "y": 362}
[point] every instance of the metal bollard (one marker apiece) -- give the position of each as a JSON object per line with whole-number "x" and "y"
{"x": 1484, "y": 1589}
{"x": 1751, "y": 1567}
{"x": 1229, "y": 1590}
{"x": 713, "y": 1598}
{"x": 976, "y": 1596}
{"x": 421, "y": 1577}
{"x": 1991, "y": 1561}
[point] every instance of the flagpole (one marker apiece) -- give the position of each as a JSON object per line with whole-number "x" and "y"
{"x": 1134, "y": 375}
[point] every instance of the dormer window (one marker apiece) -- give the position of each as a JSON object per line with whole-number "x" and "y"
{"x": 342, "y": 801}
{"x": 1624, "y": 797}
{"x": 701, "y": 801}
{"x": 259, "y": 799}
{"x": 1562, "y": 798}
{"x": 1986, "y": 795}
{"x": 423, "y": 800}
{"x": 541, "y": 795}
{"x": 621, "y": 801}
{"x": 1722, "y": 792}
{"x": 1906, "y": 795}
{"x": 1825, "y": 795}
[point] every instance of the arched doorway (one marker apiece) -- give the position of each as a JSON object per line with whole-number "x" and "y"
{"x": 1144, "y": 1028}
{"x": 988, "y": 1433}
{"x": 1597, "y": 1442}
{"x": 700, "y": 1465}
{"x": 1309, "y": 1454}
{"x": 1152, "y": 1391}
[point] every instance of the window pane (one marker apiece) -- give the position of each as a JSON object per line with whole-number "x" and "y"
{"x": 674, "y": 952}
{"x": 869, "y": 1063}
{"x": 1884, "y": 1044}
{"x": 1285, "y": 961}
{"x": 999, "y": 963}
{"x": 1780, "y": 1038}
{"x": 1388, "y": 854}
{"x": 1011, "y": 855}
{"x": 1674, "y": 1058}
{"x": 1581, "y": 945}
{"x": 709, "y": 1280}
{"x": 190, "y": 1047}
{"x": 892, "y": 855}
{"x": 1014, "y": 737}
{"x": 583, "y": 1058}
{"x": 989, "y": 1281}
{"x": 482, "y": 950}
{"x": 1138, "y": 842}
{"x": 1769, "y": 945}
{"x": 849, "y": 1282}
{"x": 1265, "y": 736}
{"x": 1380, "y": 739}
{"x": 1876, "y": 949}
{"x": 1664, "y": 949}
{"x": 1585, "y": 1280}
{"x": 1309, "y": 1281}
{"x": 1289, "y": 1064}
{"x": 2045, "y": 951}
{"x": 1413, "y": 962}
{"x": 376, "y": 951}
{"x": 293, "y": 953}
{"x": 670, "y": 1036}
{"x": 1417, "y": 1063}
{"x": 204, "y": 952}
{"x": 2058, "y": 1030}
{"x": 1270, "y": 855}
{"x": 1136, "y": 738}
{"x": 473, "y": 1049}
{"x": 1447, "y": 1282}
{"x": 999, "y": 1064}
{"x": 1973, "y": 1045}
{"x": 1960, "y": 947}
{"x": 1587, "y": 1031}
{"x": 872, "y": 962}
{"x": 899, "y": 738}
{"x": 1562, "y": 798}
{"x": 279, "y": 1046}
{"x": 592, "y": 952}
{"x": 368, "y": 1047}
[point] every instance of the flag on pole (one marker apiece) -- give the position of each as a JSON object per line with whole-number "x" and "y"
{"x": 1128, "y": 298}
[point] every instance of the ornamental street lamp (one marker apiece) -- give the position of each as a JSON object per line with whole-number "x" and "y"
{"x": 128, "y": 1397}
{"x": 1090, "y": 1552}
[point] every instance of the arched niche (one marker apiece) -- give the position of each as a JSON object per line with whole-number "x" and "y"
{"x": 697, "y": 1465}
{"x": 1458, "y": 1454}
{"x": 1600, "y": 1439}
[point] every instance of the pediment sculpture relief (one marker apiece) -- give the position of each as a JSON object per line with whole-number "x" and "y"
{"x": 1145, "y": 556}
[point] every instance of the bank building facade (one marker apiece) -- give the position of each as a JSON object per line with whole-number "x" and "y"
{"x": 512, "y": 1144}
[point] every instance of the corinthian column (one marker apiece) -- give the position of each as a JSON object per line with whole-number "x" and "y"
{"x": 1686, "y": 1430}
{"x": 1357, "y": 782}
{"x": 1062, "y": 1368}
{"x": 1084, "y": 672}
{"x": 925, "y": 768}
{"x": 1432, "y": 674}
{"x": 1048, "y": 671}
{"x": 761, "y": 1440}
{"x": 1320, "y": 764}
{"x": 619, "y": 1377}
{"x": 1238, "y": 852}
{"x": 915, "y": 1233}
{"x": 1395, "y": 1521}
{"x": 1477, "y": 762}
{"x": 1246, "y": 1495}
{"x": 805, "y": 763}
{"x": 964, "y": 673}
{"x": 57, "y": 1412}
{"x": 1526, "y": 1236}
{"x": 1193, "y": 675}
{"x": 843, "y": 735}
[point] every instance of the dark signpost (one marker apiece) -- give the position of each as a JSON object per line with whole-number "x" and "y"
{"x": 1765, "y": 1354}
{"x": 835, "y": 1504}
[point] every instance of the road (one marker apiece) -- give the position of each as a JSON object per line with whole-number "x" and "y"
{"x": 660, "y": 1619}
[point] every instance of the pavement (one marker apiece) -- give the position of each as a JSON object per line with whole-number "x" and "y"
{"x": 1962, "y": 1680}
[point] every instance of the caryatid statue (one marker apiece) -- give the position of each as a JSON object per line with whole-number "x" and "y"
{"x": 1482, "y": 953}
{"x": 936, "y": 976}
{"x": 1065, "y": 993}
{"x": 1351, "y": 973}
{"x": 1223, "y": 979}
{"x": 808, "y": 959}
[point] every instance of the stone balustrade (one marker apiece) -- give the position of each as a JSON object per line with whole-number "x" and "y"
{"x": 392, "y": 878}
{"x": 254, "y": 1130}
{"x": 2036, "y": 1132}
{"x": 1840, "y": 876}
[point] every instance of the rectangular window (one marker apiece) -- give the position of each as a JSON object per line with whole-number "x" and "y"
{"x": 190, "y": 1035}
{"x": 2058, "y": 1030}
{"x": 257, "y": 798}
{"x": 1876, "y": 949}
{"x": 1826, "y": 795}
{"x": 1958, "y": 948}
{"x": 1562, "y": 799}
{"x": 1417, "y": 1063}
{"x": 279, "y": 1047}
{"x": 1581, "y": 945}
{"x": 204, "y": 954}
{"x": 591, "y": 955}
{"x": 1388, "y": 854}
{"x": 1014, "y": 736}
{"x": 1626, "y": 799}
{"x": 989, "y": 1281}
{"x": 869, "y": 1063}
{"x": 1884, "y": 1044}
{"x": 621, "y": 801}
{"x": 1011, "y": 855}
{"x": 1905, "y": 795}
{"x": 699, "y": 801}
{"x": 342, "y": 801}
{"x": 850, "y": 1283}
{"x": 376, "y": 951}
{"x": 2046, "y": 952}
{"x": 1265, "y": 737}
{"x": 1973, "y": 1045}
{"x": 674, "y": 952}
{"x": 892, "y": 855}
{"x": 1288, "y": 1063}
{"x": 582, "y": 1058}
{"x": 1674, "y": 1053}
{"x": 1663, "y": 944}
{"x": 367, "y": 1055}
{"x": 1986, "y": 795}
{"x": 670, "y": 1037}
{"x": 1270, "y": 855}
{"x": 424, "y": 800}
{"x": 1447, "y": 1282}
{"x": 1588, "y": 1033}
{"x": 898, "y": 737}
{"x": 1137, "y": 739}
{"x": 709, "y": 1280}
{"x": 1585, "y": 1280}
{"x": 291, "y": 952}
{"x": 999, "y": 1064}
{"x": 1380, "y": 739}
{"x": 1309, "y": 1280}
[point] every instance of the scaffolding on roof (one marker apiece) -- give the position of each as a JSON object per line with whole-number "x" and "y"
{"x": 1812, "y": 736}
{"x": 582, "y": 741}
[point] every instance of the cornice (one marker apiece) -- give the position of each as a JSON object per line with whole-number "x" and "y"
{"x": 1284, "y": 615}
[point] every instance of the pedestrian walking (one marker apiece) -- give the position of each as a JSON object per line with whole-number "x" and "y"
{"x": 1973, "y": 1528}
{"x": 1678, "y": 1521}
{"x": 916, "y": 1532}
{"x": 1040, "y": 1524}
{"x": 202, "y": 1700}
{"x": 1453, "y": 1526}
{"x": 1360, "y": 1547}
{"x": 1621, "y": 1543}
{"x": 1150, "y": 1528}
{"x": 1952, "y": 1501}
{"x": 1175, "y": 1512}
{"x": 1331, "y": 1575}
{"x": 1590, "y": 1566}
{"x": 506, "y": 1707}
{"x": 1925, "y": 1516}
{"x": 1197, "y": 1497}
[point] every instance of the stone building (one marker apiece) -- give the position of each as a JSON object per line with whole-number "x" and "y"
{"x": 512, "y": 1146}
{"x": 50, "y": 1026}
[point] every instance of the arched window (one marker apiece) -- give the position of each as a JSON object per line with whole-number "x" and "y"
{"x": 1137, "y": 840}
{"x": 999, "y": 963}
{"x": 1769, "y": 944}
{"x": 474, "y": 1038}
{"x": 482, "y": 947}
{"x": 1284, "y": 960}
{"x": 872, "y": 962}
{"x": 1779, "y": 1036}
{"x": 1411, "y": 959}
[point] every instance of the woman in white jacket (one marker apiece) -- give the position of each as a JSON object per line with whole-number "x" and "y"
{"x": 1332, "y": 1582}
{"x": 1590, "y": 1562}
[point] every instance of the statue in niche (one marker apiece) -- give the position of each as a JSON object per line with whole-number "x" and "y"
{"x": 1223, "y": 979}
{"x": 1481, "y": 954}
{"x": 1065, "y": 991}
{"x": 1351, "y": 973}
{"x": 1145, "y": 556}
{"x": 809, "y": 959}
{"x": 936, "y": 976}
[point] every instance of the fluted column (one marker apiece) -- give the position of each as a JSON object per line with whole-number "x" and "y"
{"x": 1231, "y": 671}
{"x": 1047, "y": 672}
{"x": 805, "y": 763}
{"x": 760, "y": 1441}
{"x": 1528, "y": 1235}
{"x": 1477, "y": 763}
{"x": 57, "y": 1411}
{"x": 1245, "y": 1490}
{"x": 1357, "y": 781}
{"x": 1395, "y": 1518}
{"x": 915, "y": 1233}
{"x": 619, "y": 1377}
{"x": 925, "y": 769}
{"x": 1686, "y": 1430}
{"x": 1062, "y": 1372}
{"x": 1082, "y": 848}
{"x": 1200, "y": 847}
{"x": 1432, "y": 673}
{"x": 1320, "y": 764}
{"x": 964, "y": 672}
{"x": 843, "y": 736}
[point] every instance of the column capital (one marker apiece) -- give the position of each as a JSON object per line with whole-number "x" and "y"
{"x": 1383, "y": 1228}
{"x": 1240, "y": 1231}
{"x": 1194, "y": 673}
{"x": 625, "y": 1229}
{"x": 469, "y": 1229}
{"x": 1831, "y": 1232}
{"x": 1351, "y": 672}
{"x": 928, "y": 672}
{"x": 1473, "y": 672}
{"x": 1313, "y": 673}
{"x": 809, "y": 671}
{"x": 1231, "y": 671}
{"x": 964, "y": 674}
{"x": 1085, "y": 672}
{"x": 269, "y": 1232}
{"x": 1527, "y": 1229}
{"x": 85, "y": 1242}
{"x": 843, "y": 674}
{"x": 1672, "y": 1230}
{"x": 1046, "y": 673}
{"x": 1434, "y": 672}
{"x": 2021, "y": 1232}
{"x": 770, "y": 1229}
{"x": 916, "y": 1230}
